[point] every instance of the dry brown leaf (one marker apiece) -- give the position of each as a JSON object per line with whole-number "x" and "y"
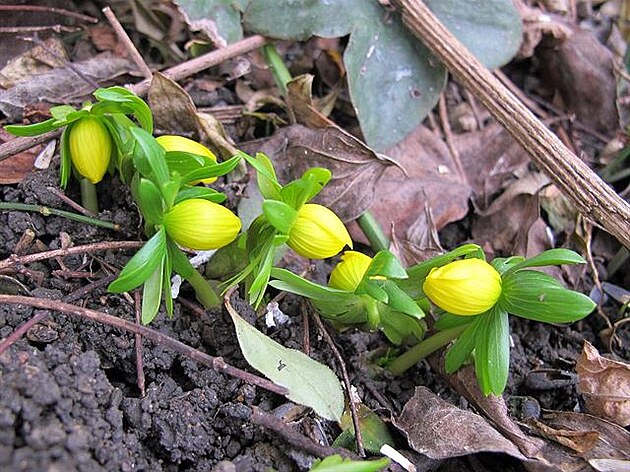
{"x": 579, "y": 441}
{"x": 605, "y": 385}
{"x": 581, "y": 69}
{"x": 440, "y": 430}
{"x": 35, "y": 61}
{"x": 173, "y": 110}
{"x": 300, "y": 102}
{"x": 61, "y": 85}
{"x": 355, "y": 167}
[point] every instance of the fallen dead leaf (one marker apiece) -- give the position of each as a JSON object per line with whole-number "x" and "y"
{"x": 440, "y": 430}
{"x": 15, "y": 168}
{"x": 605, "y": 385}
{"x": 35, "y": 61}
{"x": 355, "y": 168}
{"x": 173, "y": 110}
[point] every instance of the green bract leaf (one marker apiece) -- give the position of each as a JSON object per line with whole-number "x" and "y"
{"x": 385, "y": 264}
{"x": 210, "y": 169}
{"x": 280, "y": 215}
{"x": 141, "y": 265}
{"x": 448, "y": 320}
{"x": 462, "y": 347}
{"x": 501, "y": 264}
{"x": 167, "y": 289}
{"x": 492, "y": 351}
{"x": 309, "y": 382}
{"x": 149, "y": 159}
{"x": 538, "y": 296}
{"x": 400, "y": 301}
{"x": 300, "y": 191}
{"x": 60, "y": 112}
{"x": 338, "y": 464}
{"x": 267, "y": 181}
{"x": 149, "y": 200}
{"x": 289, "y": 282}
{"x": 33, "y": 130}
{"x": 134, "y": 104}
{"x": 65, "y": 167}
{"x": 205, "y": 193}
{"x": 547, "y": 258}
{"x": 152, "y": 293}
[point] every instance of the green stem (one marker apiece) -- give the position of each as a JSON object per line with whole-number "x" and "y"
{"x": 46, "y": 211}
{"x": 373, "y": 231}
{"x": 205, "y": 294}
{"x": 89, "y": 200}
{"x": 425, "y": 348}
{"x": 276, "y": 65}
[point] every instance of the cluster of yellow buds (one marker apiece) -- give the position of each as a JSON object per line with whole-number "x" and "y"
{"x": 465, "y": 287}
{"x": 318, "y": 233}
{"x": 201, "y": 225}
{"x": 90, "y": 145}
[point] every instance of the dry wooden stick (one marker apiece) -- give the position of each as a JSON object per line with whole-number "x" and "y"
{"x": 592, "y": 196}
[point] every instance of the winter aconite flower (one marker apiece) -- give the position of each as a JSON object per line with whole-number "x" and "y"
{"x": 318, "y": 233}
{"x": 350, "y": 271}
{"x": 179, "y": 143}
{"x": 201, "y": 225}
{"x": 464, "y": 287}
{"x": 90, "y": 146}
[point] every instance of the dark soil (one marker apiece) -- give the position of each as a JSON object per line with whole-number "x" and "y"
{"x": 69, "y": 397}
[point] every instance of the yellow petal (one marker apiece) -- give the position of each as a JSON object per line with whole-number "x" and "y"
{"x": 172, "y": 142}
{"x": 318, "y": 233}
{"x": 90, "y": 147}
{"x": 348, "y": 273}
{"x": 201, "y": 225}
{"x": 464, "y": 287}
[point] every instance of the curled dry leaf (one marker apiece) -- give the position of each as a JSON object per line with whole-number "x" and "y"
{"x": 173, "y": 110}
{"x": 605, "y": 385}
{"x": 440, "y": 430}
{"x": 355, "y": 168}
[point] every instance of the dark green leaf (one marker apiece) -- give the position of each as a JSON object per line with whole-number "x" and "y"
{"x": 538, "y": 296}
{"x": 385, "y": 264}
{"x": 60, "y": 112}
{"x": 204, "y": 193}
{"x": 372, "y": 288}
{"x": 141, "y": 265}
{"x": 492, "y": 351}
{"x": 267, "y": 181}
{"x": 152, "y": 293}
{"x": 280, "y": 215}
{"x": 547, "y": 258}
{"x": 448, "y": 320}
{"x": 401, "y": 302}
{"x": 32, "y": 130}
{"x": 300, "y": 191}
{"x": 167, "y": 290}
{"x": 180, "y": 262}
{"x": 149, "y": 158}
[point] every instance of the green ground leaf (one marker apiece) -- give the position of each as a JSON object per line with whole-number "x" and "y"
{"x": 492, "y": 351}
{"x": 547, "y": 258}
{"x": 309, "y": 382}
{"x": 490, "y": 29}
{"x": 152, "y": 293}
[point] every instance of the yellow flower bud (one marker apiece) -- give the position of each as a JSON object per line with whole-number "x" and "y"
{"x": 464, "y": 287}
{"x": 350, "y": 271}
{"x": 90, "y": 147}
{"x": 179, "y": 143}
{"x": 318, "y": 233}
{"x": 199, "y": 224}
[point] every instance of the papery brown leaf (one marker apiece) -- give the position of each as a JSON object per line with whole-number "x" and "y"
{"x": 173, "y": 110}
{"x": 430, "y": 180}
{"x": 41, "y": 58}
{"x": 440, "y": 430}
{"x": 581, "y": 69}
{"x": 579, "y": 441}
{"x": 355, "y": 168}
{"x": 605, "y": 385}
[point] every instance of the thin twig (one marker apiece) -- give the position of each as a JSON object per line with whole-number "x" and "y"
{"x": 306, "y": 337}
{"x": 346, "y": 380}
{"x": 89, "y": 288}
{"x": 139, "y": 364}
{"x": 53, "y": 10}
{"x": 37, "y": 29}
{"x": 294, "y": 438}
{"x": 595, "y": 199}
{"x": 11, "y": 148}
{"x": 14, "y": 259}
{"x": 215, "y": 363}
{"x": 68, "y": 201}
{"x": 448, "y": 137}
{"x": 136, "y": 57}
